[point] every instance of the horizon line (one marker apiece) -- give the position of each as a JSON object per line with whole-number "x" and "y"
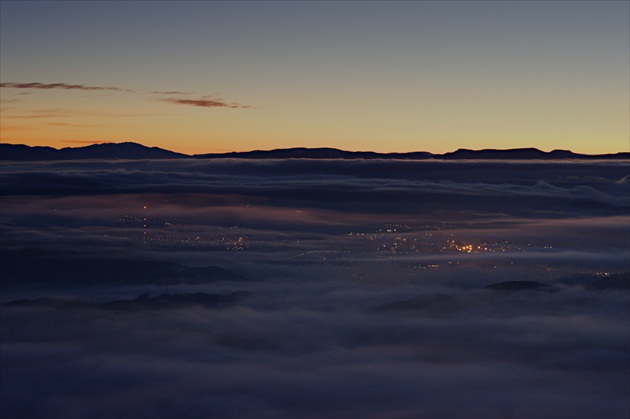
{"x": 461, "y": 149}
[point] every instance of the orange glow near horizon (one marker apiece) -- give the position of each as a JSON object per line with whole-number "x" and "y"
{"x": 73, "y": 119}
{"x": 219, "y": 139}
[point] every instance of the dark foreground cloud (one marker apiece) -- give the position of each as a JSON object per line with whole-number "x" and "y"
{"x": 321, "y": 349}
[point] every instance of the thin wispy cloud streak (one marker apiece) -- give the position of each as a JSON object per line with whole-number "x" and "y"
{"x": 73, "y": 125}
{"x": 206, "y": 103}
{"x": 65, "y": 86}
{"x": 203, "y": 103}
{"x": 69, "y": 113}
{"x": 84, "y": 142}
{"x": 172, "y": 92}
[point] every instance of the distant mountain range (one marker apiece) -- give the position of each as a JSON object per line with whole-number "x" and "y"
{"x": 134, "y": 151}
{"x": 315, "y": 153}
{"x": 461, "y": 154}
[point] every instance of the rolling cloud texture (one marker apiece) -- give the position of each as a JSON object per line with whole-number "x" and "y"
{"x": 303, "y": 288}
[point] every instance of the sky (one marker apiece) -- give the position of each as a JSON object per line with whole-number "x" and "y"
{"x": 199, "y": 77}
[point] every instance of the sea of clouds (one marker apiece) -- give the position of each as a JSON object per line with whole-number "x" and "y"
{"x": 314, "y": 288}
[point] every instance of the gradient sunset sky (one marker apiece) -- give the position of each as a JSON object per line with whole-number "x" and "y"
{"x": 200, "y": 77}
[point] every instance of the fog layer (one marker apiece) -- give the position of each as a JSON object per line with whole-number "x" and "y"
{"x": 302, "y": 288}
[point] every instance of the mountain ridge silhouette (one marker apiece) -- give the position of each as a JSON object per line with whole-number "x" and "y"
{"x": 135, "y": 151}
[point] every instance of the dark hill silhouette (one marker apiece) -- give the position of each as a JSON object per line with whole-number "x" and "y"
{"x": 461, "y": 154}
{"x": 42, "y": 269}
{"x": 134, "y": 151}
{"x": 23, "y": 152}
{"x": 525, "y": 154}
{"x": 315, "y": 153}
{"x": 128, "y": 150}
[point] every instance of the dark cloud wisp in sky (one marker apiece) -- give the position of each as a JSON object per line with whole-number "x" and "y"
{"x": 47, "y": 86}
{"x": 207, "y": 103}
{"x": 203, "y": 103}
